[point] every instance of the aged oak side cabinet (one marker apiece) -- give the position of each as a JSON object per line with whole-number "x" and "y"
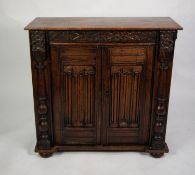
{"x": 101, "y": 84}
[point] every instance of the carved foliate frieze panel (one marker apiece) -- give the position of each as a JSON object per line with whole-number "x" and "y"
{"x": 128, "y": 36}
{"x": 103, "y": 36}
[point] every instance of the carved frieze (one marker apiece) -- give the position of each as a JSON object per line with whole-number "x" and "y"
{"x": 128, "y": 36}
{"x": 102, "y": 36}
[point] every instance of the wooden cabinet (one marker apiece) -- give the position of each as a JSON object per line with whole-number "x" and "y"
{"x": 101, "y": 84}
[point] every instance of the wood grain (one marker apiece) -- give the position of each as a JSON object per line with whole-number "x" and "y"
{"x": 103, "y": 23}
{"x": 101, "y": 84}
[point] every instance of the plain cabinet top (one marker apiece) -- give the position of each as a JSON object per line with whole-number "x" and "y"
{"x": 103, "y": 23}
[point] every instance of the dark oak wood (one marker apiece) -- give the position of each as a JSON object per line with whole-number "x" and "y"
{"x": 101, "y": 84}
{"x": 45, "y": 154}
{"x": 103, "y": 23}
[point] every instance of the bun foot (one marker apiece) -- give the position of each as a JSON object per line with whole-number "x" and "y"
{"x": 157, "y": 155}
{"x": 45, "y": 154}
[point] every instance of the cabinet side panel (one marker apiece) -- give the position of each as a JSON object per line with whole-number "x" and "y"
{"x": 41, "y": 88}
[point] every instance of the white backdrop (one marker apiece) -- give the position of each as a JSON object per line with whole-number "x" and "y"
{"x": 17, "y": 132}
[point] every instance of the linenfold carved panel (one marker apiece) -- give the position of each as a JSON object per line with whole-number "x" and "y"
{"x": 126, "y": 90}
{"x": 102, "y": 36}
{"x": 79, "y": 96}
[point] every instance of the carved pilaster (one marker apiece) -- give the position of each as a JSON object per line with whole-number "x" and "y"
{"x": 41, "y": 84}
{"x": 163, "y": 69}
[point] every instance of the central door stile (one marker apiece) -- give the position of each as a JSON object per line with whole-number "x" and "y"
{"x": 105, "y": 93}
{"x": 98, "y": 93}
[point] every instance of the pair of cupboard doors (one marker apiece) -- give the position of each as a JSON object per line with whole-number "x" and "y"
{"x": 101, "y": 93}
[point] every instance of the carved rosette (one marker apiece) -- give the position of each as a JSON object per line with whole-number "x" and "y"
{"x": 163, "y": 70}
{"x": 41, "y": 83}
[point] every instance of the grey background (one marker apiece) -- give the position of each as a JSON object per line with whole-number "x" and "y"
{"x": 17, "y": 132}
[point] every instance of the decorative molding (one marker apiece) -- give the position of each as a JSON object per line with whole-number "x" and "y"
{"x": 163, "y": 77}
{"x": 128, "y": 36}
{"x": 74, "y": 36}
{"x": 83, "y": 36}
{"x": 167, "y": 40}
{"x": 79, "y": 70}
{"x": 37, "y": 41}
{"x": 103, "y": 36}
{"x": 38, "y": 50}
{"x": 42, "y": 110}
{"x": 41, "y": 84}
{"x": 160, "y": 123}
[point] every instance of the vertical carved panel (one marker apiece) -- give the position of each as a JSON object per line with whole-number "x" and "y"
{"x": 162, "y": 81}
{"x": 41, "y": 84}
{"x": 126, "y": 88}
{"x": 79, "y": 96}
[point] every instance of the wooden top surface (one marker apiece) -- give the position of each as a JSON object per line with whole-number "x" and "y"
{"x": 103, "y": 23}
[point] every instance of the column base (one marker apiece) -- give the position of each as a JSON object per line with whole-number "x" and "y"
{"x": 158, "y": 153}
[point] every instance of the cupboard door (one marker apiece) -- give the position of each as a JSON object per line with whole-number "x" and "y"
{"x": 76, "y": 94}
{"x": 127, "y": 76}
